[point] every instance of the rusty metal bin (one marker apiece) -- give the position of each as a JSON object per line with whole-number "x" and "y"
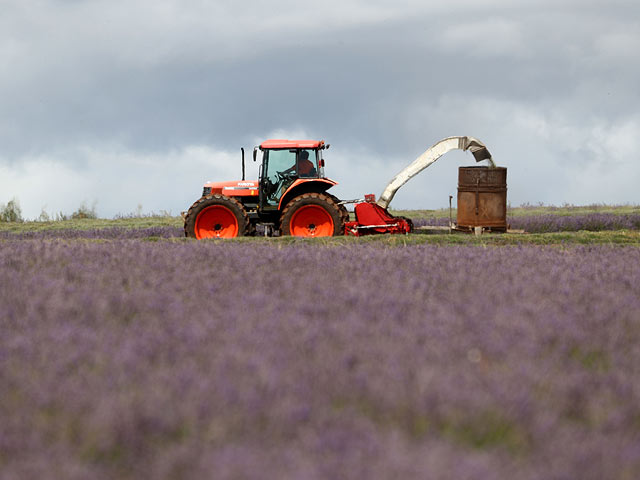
{"x": 482, "y": 198}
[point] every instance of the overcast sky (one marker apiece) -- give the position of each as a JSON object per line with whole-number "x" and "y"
{"x": 139, "y": 102}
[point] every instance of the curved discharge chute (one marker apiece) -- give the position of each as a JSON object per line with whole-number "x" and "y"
{"x": 475, "y": 146}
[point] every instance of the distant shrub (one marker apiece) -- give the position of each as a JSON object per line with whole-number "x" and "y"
{"x": 85, "y": 212}
{"x": 11, "y": 212}
{"x": 140, "y": 214}
{"x": 44, "y": 216}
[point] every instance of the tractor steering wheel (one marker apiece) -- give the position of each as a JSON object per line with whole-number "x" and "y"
{"x": 282, "y": 176}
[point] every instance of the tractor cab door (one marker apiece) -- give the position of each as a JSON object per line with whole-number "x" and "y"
{"x": 279, "y": 170}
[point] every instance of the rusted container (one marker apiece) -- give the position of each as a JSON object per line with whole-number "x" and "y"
{"x": 482, "y": 198}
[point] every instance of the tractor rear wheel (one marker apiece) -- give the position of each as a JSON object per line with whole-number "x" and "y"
{"x": 216, "y": 216}
{"x": 343, "y": 210}
{"x": 312, "y": 215}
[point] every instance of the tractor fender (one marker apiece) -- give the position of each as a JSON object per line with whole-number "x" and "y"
{"x": 305, "y": 185}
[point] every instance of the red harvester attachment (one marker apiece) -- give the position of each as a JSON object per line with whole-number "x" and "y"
{"x": 372, "y": 218}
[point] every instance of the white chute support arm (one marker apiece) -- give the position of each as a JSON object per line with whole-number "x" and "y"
{"x": 475, "y": 146}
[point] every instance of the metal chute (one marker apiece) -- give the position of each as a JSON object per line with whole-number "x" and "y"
{"x": 475, "y": 146}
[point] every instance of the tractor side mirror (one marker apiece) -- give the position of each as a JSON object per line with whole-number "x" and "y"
{"x": 322, "y": 162}
{"x": 255, "y": 153}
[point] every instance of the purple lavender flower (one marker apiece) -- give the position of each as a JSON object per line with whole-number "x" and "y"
{"x": 572, "y": 223}
{"x": 557, "y": 223}
{"x": 128, "y": 359}
{"x": 96, "y": 233}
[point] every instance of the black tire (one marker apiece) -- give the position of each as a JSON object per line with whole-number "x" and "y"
{"x": 343, "y": 210}
{"x": 312, "y": 202}
{"x": 216, "y": 206}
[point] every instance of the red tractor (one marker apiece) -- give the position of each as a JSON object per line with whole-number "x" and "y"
{"x": 290, "y": 197}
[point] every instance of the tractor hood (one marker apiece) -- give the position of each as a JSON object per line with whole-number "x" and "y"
{"x": 240, "y": 188}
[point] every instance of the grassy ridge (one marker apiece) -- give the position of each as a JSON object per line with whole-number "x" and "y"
{"x": 615, "y": 237}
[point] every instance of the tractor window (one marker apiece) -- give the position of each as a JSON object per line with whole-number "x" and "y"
{"x": 280, "y": 170}
{"x": 307, "y": 163}
{"x": 320, "y": 164}
{"x": 279, "y": 161}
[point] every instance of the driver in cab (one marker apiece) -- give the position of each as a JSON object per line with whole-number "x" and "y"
{"x": 305, "y": 166}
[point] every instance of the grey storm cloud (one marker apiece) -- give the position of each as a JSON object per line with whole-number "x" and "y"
{"x": 140, "y": 102}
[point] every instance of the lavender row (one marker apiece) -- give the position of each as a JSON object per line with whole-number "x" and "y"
{"x": 592, "y": 222}
{"x": 97, "y": 233}
{"x": 558, "y": 223}
{"x": 131, "y": 359}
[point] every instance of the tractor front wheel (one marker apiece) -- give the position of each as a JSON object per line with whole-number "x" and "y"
{"x": 312, "y": 215}
{"x": 216, "y": 216}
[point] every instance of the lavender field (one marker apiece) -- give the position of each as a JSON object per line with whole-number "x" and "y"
{"x": 545, "y": 223}
{"x": 123, "y": 358}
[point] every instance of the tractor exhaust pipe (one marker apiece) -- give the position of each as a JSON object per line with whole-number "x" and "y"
{"x": 242, "y": 150}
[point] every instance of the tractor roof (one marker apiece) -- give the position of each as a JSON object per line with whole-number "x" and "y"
{"x": 279, "y": 143}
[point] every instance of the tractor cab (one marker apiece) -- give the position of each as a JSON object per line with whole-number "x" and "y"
{"x": 287, "y": 164}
